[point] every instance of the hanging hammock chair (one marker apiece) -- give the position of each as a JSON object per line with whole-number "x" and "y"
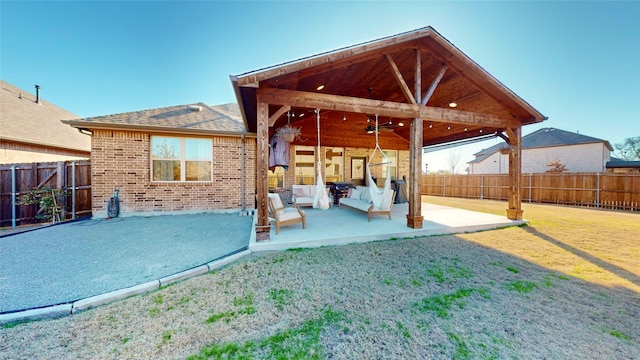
{"x": 321, "y": 198}
{"x": 381, "y": 198}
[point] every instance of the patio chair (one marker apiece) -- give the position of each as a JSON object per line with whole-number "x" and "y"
{"x": 285, "y": 215}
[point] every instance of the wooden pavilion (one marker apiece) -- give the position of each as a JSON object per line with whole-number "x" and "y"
{"x": 418, "y": 78}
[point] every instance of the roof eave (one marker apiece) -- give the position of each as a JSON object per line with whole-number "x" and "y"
{"x": 41, "y": 143}
{"x": 253, "y": 78}
{"x": 154, "y": 129}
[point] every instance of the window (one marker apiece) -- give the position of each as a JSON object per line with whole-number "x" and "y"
{"x": 181, "y": 159}
{"x": 305, "y": 165}
{"x": 334, "y": 164}
{"x": 391, "y": 169}
{"x": 276, "y": 177}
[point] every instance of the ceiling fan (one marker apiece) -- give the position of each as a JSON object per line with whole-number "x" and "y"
{"x": 385, "y": 126}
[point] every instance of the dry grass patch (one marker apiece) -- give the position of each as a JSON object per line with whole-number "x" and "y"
{"x": 599, "y": 246}
{"x": 556, "y": 289}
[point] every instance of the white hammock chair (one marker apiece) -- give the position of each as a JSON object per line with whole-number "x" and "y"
{"x": 381, "y": 198}
{"x": 321, "y": 198}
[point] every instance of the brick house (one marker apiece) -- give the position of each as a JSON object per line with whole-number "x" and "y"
{"x": 146, "y": 155}
{"x": 174, "y": 159}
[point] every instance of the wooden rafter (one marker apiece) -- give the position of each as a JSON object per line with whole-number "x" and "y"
{"x": 434, "y": 84}
{"x": 400, "y": 80}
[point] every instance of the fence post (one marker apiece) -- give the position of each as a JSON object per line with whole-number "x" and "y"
{"x": 481, "y": 187}
{"x": 444, "y": 186}
{"x": 530, "y": 188}
{"x": 73, "y": 190}
{"x": 598, "y": 190}
{"x": 13, "y": 196}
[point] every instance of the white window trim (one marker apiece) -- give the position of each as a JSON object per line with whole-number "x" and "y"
{"x": 183, "y": 161}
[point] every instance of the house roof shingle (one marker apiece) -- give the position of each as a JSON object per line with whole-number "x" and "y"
{"x": 189, "y": 118}
{"x": 546, "y": 137}
{"x": 23, "y": 120}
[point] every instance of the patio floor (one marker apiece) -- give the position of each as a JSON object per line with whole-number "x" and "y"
{"x": 339, "y": 226}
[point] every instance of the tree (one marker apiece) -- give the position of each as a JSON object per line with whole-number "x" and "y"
{"x": 454, "y": 159}
{"x": 628, "y": 150}
{"x": 556, "y": 167}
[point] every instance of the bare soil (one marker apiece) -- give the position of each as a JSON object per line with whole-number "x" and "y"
{"x": 565, "y": 287}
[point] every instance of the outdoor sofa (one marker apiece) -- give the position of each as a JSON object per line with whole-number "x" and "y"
{"x": 359, "y": 199}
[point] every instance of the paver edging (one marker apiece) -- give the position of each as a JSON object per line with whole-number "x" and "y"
{"x": 203, "y": 269}
{"x": 102, "y": 299}
{"x": 37, "y": 314}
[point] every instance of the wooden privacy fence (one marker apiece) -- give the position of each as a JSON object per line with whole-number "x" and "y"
{"x": 74, "y": 177}
{"x": 599, "y": 190}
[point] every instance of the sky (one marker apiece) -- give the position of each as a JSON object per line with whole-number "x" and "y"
{"x": 578, "y": 63}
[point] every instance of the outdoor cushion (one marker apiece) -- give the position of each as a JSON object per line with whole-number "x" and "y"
{"x": 303, "y": 194}
{"x": 355, "y": 194}
{"x": 277, "y": 203}
{"x": 366, "y": 195}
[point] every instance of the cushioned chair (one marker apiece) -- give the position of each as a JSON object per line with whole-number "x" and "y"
{"x": 303, "y": 194}
{"x": 285, "y": 215}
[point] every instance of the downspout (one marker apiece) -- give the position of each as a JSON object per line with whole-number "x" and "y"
{"x": 243, "y": 175}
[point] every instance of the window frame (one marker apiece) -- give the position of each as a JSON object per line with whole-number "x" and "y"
{"x": 182, "y": 158}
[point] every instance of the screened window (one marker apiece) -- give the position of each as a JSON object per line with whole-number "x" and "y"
{"x": 181, "y": 159}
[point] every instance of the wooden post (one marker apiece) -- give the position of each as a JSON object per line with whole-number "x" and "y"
{"x": 263, "y": 227}
{"x": 514, "y": 212}
{"x": 414, "y": 217}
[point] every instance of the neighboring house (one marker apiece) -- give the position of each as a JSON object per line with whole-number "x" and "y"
{"x": 31, "y": 131}
{"x": 620, "y": 166}
{"x": 174, "y": 159}
{"x": 577, "y": 152}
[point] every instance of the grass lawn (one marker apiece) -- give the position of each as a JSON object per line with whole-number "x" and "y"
{"x": 565, "y": 287}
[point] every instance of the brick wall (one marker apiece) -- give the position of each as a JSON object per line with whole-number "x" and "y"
{"x": 121, "y": 159}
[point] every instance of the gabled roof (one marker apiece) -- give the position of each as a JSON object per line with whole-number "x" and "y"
{"x": 379, "y": 77}
{"x": 545, "y": 137}
{"x": 548, "y": 137}
{"x": 190, "y": 118}
{"x": 25, "y": 121}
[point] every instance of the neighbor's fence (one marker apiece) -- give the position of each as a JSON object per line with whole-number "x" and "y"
{"x": 74, "y": 177}
{"x": 599, "y": 190}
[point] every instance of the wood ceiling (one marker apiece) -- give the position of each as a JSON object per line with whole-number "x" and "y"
{"x": 379, "y": 77}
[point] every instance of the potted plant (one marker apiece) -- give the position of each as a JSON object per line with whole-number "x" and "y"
{"x": 288, "y": 133}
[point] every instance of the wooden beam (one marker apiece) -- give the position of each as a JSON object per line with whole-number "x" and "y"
{"x": 436, "y": 114}
{"x": 280, "y": 112}
{"x": 380, "y": 107}
{"x": 514, "y": 212}
{"x": 400, "y": 80}
{"x": 433, "y": 85}
{"x": 262, "y": 186}
{"x": 414, "y": 217}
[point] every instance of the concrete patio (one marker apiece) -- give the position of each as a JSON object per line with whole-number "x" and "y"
{"x": 339, "y": 226}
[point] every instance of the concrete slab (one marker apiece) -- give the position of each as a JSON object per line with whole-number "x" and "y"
{"x": 340, "y": 226}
